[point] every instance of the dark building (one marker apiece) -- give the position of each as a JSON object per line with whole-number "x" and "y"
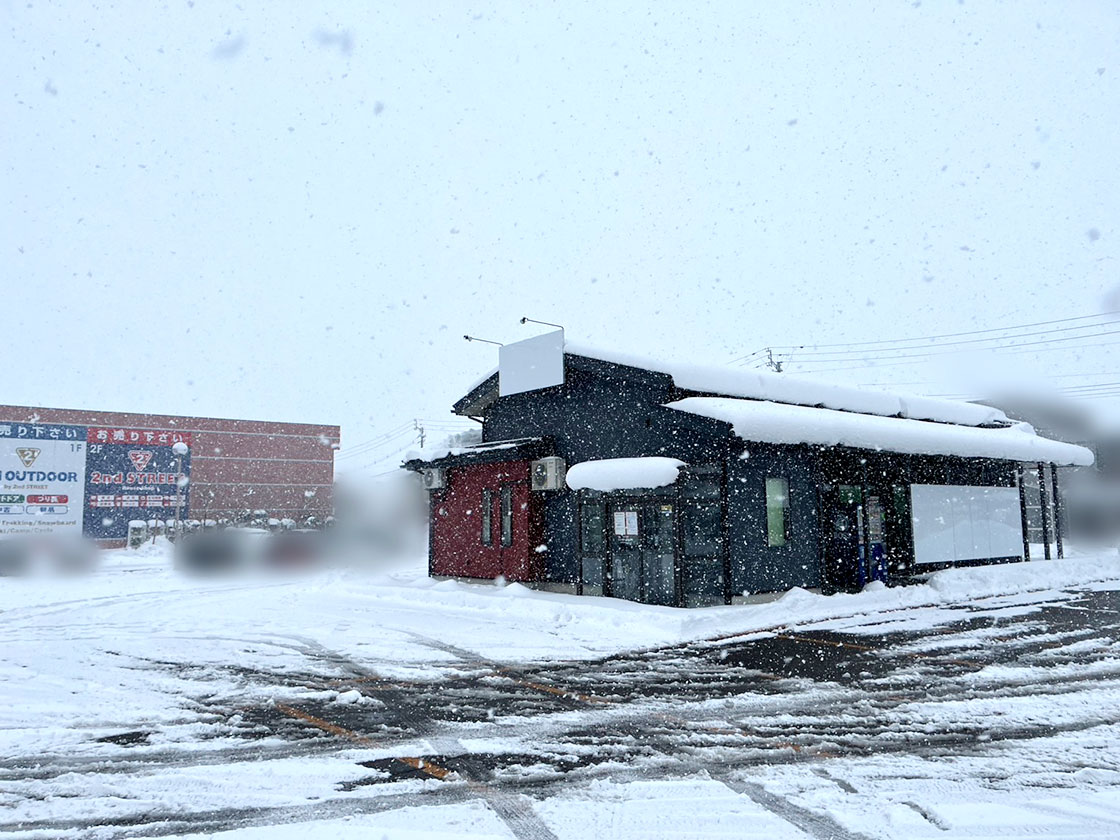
{"x": 89, "y": 473}
{"x": 686, "y": 486}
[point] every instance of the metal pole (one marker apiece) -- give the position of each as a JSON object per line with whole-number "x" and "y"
{"x": 178, "y": 498}
{"x": 1044, "y": 509}
{"x": 1023, "y": 513}
{"x": 1059, "y": 523}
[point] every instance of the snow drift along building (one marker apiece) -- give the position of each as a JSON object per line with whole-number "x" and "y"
{"x": 688, "y": 486}
{"x": 70, "y": 472}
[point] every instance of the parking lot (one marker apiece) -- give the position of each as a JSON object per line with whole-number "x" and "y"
{"x": 201, "y": 711}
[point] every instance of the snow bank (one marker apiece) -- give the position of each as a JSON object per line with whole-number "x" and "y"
{"x": 624, "y": 473}
{"x": 770, "y": 422}
{"x": 778, "y": 387}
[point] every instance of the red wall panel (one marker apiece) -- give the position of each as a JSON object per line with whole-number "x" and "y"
{"x": 456, "y": 546}
{"x": 251, "y": 471}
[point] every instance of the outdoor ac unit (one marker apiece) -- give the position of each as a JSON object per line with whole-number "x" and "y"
{"x": 548, "y": 473}
{"x": 434, "y": 479}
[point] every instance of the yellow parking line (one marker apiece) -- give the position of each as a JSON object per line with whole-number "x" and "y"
{"x": 427, "y": 767}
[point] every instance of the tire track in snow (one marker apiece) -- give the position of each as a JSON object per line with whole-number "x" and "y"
{"x": 515, "y": 810}
{"x": 813, "y": 823}
{"x": 159, "y": 823}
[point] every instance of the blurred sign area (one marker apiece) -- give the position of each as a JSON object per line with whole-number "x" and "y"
{"x": 531, "y": 364}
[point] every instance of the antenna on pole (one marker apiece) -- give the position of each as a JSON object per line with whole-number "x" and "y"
{"x": 484, "y": 340}
{"x": 546, "y": 323}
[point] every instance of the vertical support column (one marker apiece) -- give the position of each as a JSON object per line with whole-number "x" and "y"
{"x": 579, "y": 540}
{"x": 1044, "y": 509}
{"x": 725, "y": 524}
{"x": 608, "y": 549}
{"x": 1023, "y": 513}
{"x": 1059, "y": 519}
{"x": 865, "y": 537}
{"x": 678, "y": 544}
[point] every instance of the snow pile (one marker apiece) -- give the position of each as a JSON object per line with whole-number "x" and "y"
{"x": 769, "y": 422}
{"x": 760, "y": 385}
{"x": 624, "y": 473}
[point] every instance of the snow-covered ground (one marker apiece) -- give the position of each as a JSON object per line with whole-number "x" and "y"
{"x": 139, "y": 702}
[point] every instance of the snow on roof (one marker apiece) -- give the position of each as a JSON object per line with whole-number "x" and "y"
{"x": 782, "y": 388}
{"x": 770, "y": 422}
{"x": 624, "y": 473}
{"x": 443, "y": 450}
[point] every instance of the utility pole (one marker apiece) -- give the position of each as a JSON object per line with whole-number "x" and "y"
{"x": 420, "y": 431}
{"x": 770, "y": 363}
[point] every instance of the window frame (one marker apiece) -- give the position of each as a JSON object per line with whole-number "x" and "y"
{"x": 771, "y": 497}
{"x": 505, "y": 504}
{"x": 487, "y": 525}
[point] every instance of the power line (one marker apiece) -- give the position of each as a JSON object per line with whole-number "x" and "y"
{"x": 855, "y": 363}
{"x": 388, "y": 455}
{"x": 748, "y": 356}
{"x": 864, "y": 353}
{"x": 373, "y": 446}
{"x": 381, "y": 436}
{"x": 928, "y": 382}
{"x": 947, "y": 335}
{"x": 390, "y": 436}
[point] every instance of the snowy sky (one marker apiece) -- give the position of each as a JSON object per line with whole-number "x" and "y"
{"x": 295, "y": 211}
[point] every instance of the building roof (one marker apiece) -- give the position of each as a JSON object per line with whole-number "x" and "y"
{"x": 778, "y": 408}
{"x": 783, "y": 388}
{"x": 765, "y": 421}
{"x": 479, "y": 453}
{"x": 725, "y": 381}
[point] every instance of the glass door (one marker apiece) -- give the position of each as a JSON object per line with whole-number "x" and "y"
{"x": 642, "y": 552}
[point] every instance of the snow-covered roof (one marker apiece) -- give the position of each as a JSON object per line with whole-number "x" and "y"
{"x": 624, "y": 473}
{"x": 443, "y": 450}
{"x": 782, "y": 388}
{"x": 771, "y": 422}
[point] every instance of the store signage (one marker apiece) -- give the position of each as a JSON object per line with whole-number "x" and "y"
{"x": 133, "y": 474}
{"x": 42, "y": 473}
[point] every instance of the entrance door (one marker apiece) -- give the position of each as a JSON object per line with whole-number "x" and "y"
{"x": 642, "y": 552}
{"x": 854, "y": 549}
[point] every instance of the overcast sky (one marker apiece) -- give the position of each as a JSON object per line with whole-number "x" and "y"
{"x": 294, "y": 211}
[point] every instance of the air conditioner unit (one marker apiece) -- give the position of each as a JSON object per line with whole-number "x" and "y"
{"x": 434, "y": 479}
{"x": 548, "y": 473}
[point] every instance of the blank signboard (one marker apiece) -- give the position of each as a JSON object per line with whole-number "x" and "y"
{"x": 954, "y": 523}
{"x": 534, "y": 363}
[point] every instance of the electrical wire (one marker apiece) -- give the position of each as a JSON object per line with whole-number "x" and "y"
{"x": 875, "y": 363}
{"x": 946, "y": 335}
{"x": 820, "y": 357}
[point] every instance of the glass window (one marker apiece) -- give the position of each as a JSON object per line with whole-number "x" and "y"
{"x": 507, "y": 515}
{"x": 591, "y": 528}
{"x": 777, "y": 511}
{"x": 702, "y": 529}
{"x": 487, "y": 517}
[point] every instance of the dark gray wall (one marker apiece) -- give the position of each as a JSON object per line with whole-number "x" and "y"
{"x": 595, "y": 414}
{"x": 756, "y": 566}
